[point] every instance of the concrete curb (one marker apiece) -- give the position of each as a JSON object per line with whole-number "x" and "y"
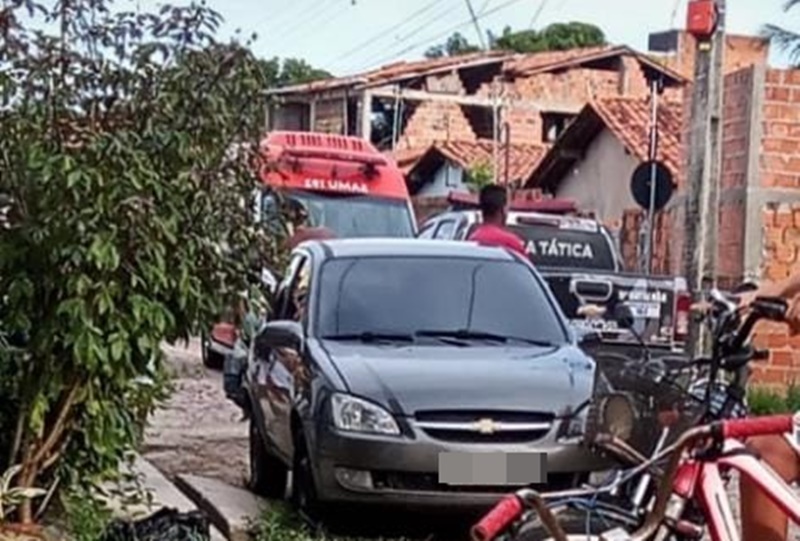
{"x": 232, "y": 510}
{"x": 162, "y": 492}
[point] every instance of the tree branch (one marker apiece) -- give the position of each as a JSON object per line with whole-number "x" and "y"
{"x": 59, "y": 425}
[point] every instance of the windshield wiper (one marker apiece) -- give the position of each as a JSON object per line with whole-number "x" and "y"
{"x": 469, "y": 334}
{"x": 369, "y": 336}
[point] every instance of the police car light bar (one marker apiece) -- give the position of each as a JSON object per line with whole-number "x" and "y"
{"x": 549, "y": 206}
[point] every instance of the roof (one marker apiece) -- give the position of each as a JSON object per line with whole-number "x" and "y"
{"x": 526, "y": 65}
{"x": 512, "y": 63}
{"x": 406, "y": 247}
{"x": 398, "y": 71}
{"x": 629, "y": 120}
{"x": 522, "y": 158}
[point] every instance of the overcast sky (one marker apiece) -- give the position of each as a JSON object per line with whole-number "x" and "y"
{"x": 345, "y": 36}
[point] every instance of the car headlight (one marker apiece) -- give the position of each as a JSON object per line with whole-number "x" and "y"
{"x": 356, "y": 415}
{"x": 616, "y": 416}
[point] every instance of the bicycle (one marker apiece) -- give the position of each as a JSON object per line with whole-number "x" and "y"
{"x": 691, "y": 490}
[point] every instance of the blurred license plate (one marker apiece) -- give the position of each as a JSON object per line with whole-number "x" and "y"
{"x": 488, "y": 469}
{"x": 648, "y": 310}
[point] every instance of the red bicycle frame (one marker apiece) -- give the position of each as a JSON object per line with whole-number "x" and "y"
{"x": 701, "y": 480}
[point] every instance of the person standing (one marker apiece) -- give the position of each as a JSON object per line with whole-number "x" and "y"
{"x": 493, "y": 230}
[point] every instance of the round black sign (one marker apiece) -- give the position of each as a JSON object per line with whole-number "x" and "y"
{"x": 640, "y": 185}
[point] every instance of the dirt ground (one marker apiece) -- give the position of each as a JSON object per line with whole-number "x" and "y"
{"x": 198, "y": 431}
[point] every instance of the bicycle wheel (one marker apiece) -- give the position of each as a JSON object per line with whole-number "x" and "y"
{"x": 578, "y": 524}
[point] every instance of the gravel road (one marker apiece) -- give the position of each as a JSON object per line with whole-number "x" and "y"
{"x": 198, "y": 430}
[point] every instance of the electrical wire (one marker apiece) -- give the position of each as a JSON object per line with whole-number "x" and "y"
{"x": 318, "y": 9}
{"x": 447, "y": 12}
{"x": 674, "y": 13}
{"x": 538, "y": 12}
{"x": 384, "y": 33}
{"x": 272, "y": 17}
{"x": 449, "y": 31}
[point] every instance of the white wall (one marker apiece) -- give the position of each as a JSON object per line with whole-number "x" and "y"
{"x": 601, "y": 182}
{"x": 449, "y": 178}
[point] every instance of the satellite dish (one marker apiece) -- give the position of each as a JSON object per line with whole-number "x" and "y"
{"x": 640, "y": 185}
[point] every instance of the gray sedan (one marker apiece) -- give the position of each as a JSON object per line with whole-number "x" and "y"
{"x": 415, "y": 373}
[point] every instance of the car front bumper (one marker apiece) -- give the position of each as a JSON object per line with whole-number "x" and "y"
{"x": 386, "y": 470}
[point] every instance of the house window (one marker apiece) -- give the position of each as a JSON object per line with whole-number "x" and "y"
{"x": 553, "y": 124}
{"x": 452, "y": 176}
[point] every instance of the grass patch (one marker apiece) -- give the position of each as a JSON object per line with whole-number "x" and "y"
{"x": 766, "y": 401}
{"x": 280, "y": 523}
{"x": 86, "y": 516}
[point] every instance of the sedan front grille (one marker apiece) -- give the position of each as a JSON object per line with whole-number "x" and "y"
{"x": 473, "y": 426}
{"x": 429, "y": 482}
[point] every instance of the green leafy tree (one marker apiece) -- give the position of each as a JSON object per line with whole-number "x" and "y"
{"x": 126, "y": 162}
{"x": 479, "y": 175}
{"x": 554, "y": 37}
{"x": 787, "y": 41}
{"x": 455, "y": 45}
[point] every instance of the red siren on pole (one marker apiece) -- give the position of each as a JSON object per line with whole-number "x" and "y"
{"x": 701, "y": 18}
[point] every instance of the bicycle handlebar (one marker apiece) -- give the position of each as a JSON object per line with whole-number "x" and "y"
{"x": 498, "y": 519}
{"x": 755, "y": 426}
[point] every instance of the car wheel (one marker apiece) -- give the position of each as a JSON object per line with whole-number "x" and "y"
{"x": 268, "y": 475}
{"x": 578, "y": 525}
{"x": 304, "y": 490}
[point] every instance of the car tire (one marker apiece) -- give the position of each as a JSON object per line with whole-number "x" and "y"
{"x": 268, "y": 475}
{"x": 304, "y": 489}
{"x": 211, "y": 359}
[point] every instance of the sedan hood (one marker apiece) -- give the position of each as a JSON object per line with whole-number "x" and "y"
{"x": 409, "y": 379}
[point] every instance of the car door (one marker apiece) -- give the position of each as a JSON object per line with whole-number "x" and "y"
{"x": 427, "y": 229}
{"x": 276, "y": 372}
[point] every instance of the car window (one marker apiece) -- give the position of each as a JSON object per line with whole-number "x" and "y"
{"x": 408, "y": 294}
{"x": 283, "y": 295}
{"x": 445, "y": 229}
{"x": 299, "y": 292}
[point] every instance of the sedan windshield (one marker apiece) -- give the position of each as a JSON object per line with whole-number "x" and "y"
{"x": 461, "y": 300}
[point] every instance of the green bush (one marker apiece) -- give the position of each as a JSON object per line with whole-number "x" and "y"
{"x": 766, "y": 401}
{"x": 128, "y": 223}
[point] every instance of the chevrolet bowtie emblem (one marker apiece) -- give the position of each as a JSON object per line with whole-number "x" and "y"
{"x": 485, "y": 426}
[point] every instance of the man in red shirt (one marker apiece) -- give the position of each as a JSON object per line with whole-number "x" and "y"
{"x": 493, "y": 232}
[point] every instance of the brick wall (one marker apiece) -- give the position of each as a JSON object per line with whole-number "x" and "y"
{"x": 436, "y": 121}
{"x": 779, "y": 177}
{"x": 329, "y": 116}
{"x": 781, "y": 258}
{"x": 740, "y": 52}
{"x": 736, "y": 115}
{"x": 633, "y": 220}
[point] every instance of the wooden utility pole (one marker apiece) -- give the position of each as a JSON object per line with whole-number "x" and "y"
{"x": 701, "y": 212}
{"x": 716, "y": 80}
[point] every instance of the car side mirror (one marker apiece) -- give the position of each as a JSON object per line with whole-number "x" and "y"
{"x": 624, "y": 317}
{"x": 278, "y": 334}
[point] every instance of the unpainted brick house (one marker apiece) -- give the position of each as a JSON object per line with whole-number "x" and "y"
{"x": 521, "y": 103}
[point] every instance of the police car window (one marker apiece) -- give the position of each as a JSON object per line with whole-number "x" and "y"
{"x": 445, "y": 229}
